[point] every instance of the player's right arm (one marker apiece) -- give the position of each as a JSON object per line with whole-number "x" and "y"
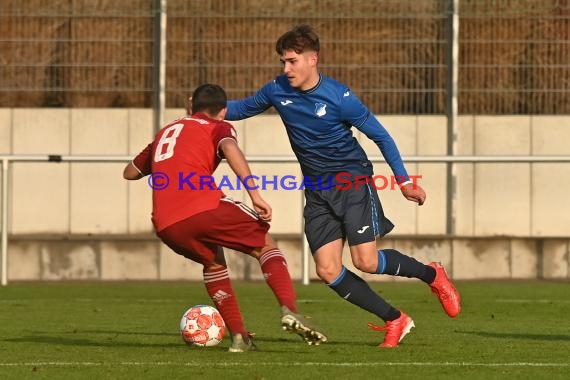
{"x": 240, "y": 167}
{"x": 140, "y": 166}
{"x": 251, "y": 106}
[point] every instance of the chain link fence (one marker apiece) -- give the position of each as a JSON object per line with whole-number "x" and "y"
{"x": 514, "y": 54}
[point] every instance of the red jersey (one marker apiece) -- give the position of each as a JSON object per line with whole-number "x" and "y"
{"x": 182, "y": 159}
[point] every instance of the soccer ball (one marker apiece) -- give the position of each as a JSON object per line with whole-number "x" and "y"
{"x": 202, "y": 325}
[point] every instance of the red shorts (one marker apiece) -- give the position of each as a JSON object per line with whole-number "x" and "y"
{"x": 232, "y": 225}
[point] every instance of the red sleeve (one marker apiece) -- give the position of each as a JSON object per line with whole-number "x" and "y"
{"x": 223, "y": 131}
{"x": 143, "y": 161}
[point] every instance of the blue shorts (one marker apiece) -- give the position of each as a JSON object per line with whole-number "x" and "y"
{"x": 354, "y": 214}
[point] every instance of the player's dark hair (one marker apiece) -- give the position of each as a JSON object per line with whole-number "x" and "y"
{"x": 209, "y": 98}
{"x": 300, "y": 39}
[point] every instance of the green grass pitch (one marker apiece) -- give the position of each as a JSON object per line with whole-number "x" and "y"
{"x": 129, "y": 330}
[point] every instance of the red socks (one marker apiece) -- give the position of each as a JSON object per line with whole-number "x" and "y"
{"x": 274, "y": 268}
{"x": 220, "y": 290}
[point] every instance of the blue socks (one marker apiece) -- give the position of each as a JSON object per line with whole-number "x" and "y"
{"x": 356, "y": 291}
{"x": 395, "y": 263}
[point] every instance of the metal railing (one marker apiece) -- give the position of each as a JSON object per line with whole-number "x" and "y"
{"x": 449, "y": 160}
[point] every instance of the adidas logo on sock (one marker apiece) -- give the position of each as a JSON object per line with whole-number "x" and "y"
{"x": 220, "y": 296}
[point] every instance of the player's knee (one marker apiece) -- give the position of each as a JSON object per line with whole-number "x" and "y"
{"x": 367, "y": 265}
{"x": 327, "y": 273}
{"x": 256, "y": 253}
{"x": 210, "y": 266}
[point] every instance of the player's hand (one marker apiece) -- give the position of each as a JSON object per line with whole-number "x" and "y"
{"x": 413, "y": 192}
{"x": 263, "y": 209}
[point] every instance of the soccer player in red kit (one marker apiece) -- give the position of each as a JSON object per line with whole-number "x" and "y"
{"x": 195, "y": 219}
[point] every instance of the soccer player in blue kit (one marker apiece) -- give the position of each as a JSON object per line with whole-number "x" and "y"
{"x": 318, "y": 113}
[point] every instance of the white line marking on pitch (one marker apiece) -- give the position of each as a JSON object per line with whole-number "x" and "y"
{"x": 286, "y": 364}
{"x": 531, "y": 301}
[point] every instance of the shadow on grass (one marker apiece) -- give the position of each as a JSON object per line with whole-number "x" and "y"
{"x": 115, "y": 332}
{"x": 525, "y": 336}
{"x": 288, "y": 344}
{"x": 109, "y": 342}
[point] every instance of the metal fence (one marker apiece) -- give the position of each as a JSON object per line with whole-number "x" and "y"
{"x": 513, "y": 54}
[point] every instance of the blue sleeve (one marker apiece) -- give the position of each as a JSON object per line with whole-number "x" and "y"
{"x": 251, "y": 106}
{"x": 358, "y": 115}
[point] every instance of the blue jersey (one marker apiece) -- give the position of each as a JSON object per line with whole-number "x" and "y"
{"x": 319, "y": 122}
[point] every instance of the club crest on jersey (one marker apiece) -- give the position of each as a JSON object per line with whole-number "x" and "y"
{"x": 320, "y": 109}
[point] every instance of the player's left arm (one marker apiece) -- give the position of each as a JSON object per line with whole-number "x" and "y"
{"x": 413, "y": 192}
{"x": 360, "y": 116}
{"x": 131, "y": 172}
{"x": 140, "y": 166}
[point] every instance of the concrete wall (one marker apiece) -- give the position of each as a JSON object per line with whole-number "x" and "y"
{"x": 107, "y": 258}
{"x": 86, "y": 215}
